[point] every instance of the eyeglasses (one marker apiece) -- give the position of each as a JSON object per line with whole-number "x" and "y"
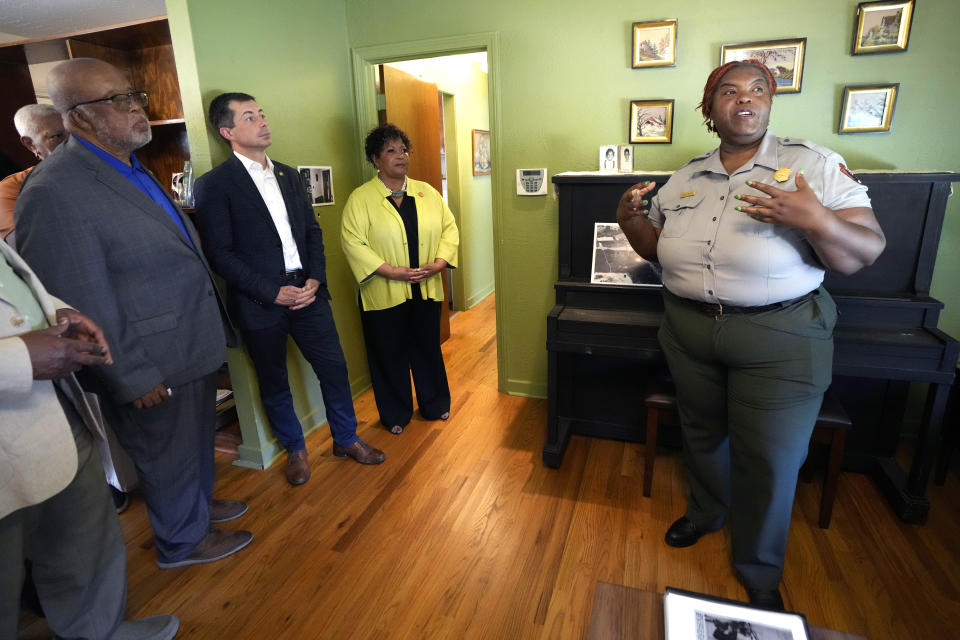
{"x": 121, "y": 101}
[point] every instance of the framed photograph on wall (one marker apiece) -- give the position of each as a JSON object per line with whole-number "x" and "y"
{"x": 481, "y": 152}
{"x": 868, "y": 108}
{"x": 318, "y": 182}
{"x": 784, "y": 58}
{"x": 882, "y": 27}
{"x": 655, "y": 44}
{"x": 651, "y": 121}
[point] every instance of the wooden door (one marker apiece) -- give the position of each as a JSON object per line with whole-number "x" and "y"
{"x": 414, "y": 106}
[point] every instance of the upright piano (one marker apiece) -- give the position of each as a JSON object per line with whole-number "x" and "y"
{"x": 602, "y": 344}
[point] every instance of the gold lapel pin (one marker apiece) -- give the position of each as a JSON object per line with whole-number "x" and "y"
{"x": 781, "y": 174}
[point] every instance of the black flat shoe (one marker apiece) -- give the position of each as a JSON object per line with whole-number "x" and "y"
{"x": 766, "y": 599}
{"x": 684, "y": 533}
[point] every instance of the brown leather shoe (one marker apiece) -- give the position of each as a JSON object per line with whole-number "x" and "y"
{"x": 226, "y": 510}
{"x": 215, "y": 545}
{"x": 361, "y": 452}
{"x": 298, "y": 467}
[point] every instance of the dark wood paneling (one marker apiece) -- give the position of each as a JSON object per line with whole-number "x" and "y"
{"x": 17, "y": 91}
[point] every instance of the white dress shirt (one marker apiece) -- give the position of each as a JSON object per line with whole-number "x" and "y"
{"x": 269, "y": 190}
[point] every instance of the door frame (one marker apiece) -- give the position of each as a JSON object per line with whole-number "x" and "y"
{"x": 364, "y": 61}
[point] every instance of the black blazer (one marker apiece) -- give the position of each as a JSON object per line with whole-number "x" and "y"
{"x": 242, "y": 244}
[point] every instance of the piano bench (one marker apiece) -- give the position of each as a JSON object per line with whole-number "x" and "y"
{"x": 831, "y": 428}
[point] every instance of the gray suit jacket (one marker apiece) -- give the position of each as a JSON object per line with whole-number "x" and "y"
{"x": 97, "y": 240}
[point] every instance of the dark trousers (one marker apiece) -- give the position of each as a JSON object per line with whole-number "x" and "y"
{"x": 171, "y": 446}
{"x": 749, "y": 387}
{"x": 315, "y": 334}
{"x": 74, "y": 542}
{"x": 399, "y": 340}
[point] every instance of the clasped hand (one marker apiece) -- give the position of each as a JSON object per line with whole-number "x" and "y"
{"x": 419, "y": 274}
{"x": 298, "y": 297}
{"x": 800, "y": 208}
{"x": 74, "y": 342}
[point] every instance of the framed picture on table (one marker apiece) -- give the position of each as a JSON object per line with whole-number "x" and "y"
{"x": 655, "y": 44}
{"x": 784, "y": 58}
{"x": 868, "y": 108}
{"x": 651, "y": 121}
{"x": 882, "y": 27}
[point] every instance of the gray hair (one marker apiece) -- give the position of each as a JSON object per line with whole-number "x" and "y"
{"x": 27, "y": 119}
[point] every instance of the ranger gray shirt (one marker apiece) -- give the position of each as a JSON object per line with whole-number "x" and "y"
{"x": 713, "y": 253}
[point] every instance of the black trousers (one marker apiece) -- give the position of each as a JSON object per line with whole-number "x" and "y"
{"x": 399, "y": 340}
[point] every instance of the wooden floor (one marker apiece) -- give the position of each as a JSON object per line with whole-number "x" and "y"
{"x": 463, "y": 533}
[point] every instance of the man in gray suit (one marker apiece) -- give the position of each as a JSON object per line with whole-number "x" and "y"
{"x": 99, "y": 229}
{"x": 54, "y": 506}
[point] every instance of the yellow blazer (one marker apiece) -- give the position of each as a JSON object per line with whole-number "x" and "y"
{"x": 371, "y": 233}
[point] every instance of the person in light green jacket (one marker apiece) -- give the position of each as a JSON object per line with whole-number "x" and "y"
{"x": 398, "y": 235}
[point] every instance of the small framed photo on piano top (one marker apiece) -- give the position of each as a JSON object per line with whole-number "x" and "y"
{"x": 615, "y": 261}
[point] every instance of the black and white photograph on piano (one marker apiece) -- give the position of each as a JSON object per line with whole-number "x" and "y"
{"x": 318, "y": 181}
{"x": 615, "y": 261}
{"x": 711, "y": 627}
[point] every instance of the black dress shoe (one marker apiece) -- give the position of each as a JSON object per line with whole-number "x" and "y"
{"x": 766, "y": 599}
{"x": 683, "y": 533}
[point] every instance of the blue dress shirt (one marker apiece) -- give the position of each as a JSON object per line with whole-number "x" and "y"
{"x": 139, "y": 178}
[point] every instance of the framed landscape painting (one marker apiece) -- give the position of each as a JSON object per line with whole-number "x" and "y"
{"x": 654, "y": 44}
{"x": 882, "y": 27}
{"x": 651, "y": 121}
{"x": 784, "y": 58}
{"x": 868, "y": 108}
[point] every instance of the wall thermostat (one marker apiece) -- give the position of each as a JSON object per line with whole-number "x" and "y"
{"x": 531, "y": 182}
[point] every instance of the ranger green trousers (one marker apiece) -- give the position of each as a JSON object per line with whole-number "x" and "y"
{"x": 749, "y": 388}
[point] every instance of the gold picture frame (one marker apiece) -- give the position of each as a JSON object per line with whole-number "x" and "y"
{"x": 868, "y": 108}
{"x": 651, "y": 121}
{"x": 655, "y": 44}
{"x": 882, "y": 27}
{"x": 784, "y": 58}
{"x": 481, "y": 152}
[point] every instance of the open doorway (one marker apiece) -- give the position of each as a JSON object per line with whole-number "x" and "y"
{"x": 441, "y": 103}
{"x": 457, "y": 147}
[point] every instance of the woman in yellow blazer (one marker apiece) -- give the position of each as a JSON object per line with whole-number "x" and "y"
{"x": 398, "y": 234}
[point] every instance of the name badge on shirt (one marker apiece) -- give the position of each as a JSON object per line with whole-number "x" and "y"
{"x": 687, "y": 194}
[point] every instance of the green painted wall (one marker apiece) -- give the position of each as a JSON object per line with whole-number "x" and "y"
{"x": 294, "y": 57}
{"x": 565, "y": 85}
{"x": 470, "y": 197}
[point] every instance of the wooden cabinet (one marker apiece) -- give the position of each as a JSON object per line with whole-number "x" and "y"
{"x": 142, "y": 49}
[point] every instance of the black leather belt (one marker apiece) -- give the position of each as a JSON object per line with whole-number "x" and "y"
{"x": 717, "y": 309}
{"x": 296, "y": 274}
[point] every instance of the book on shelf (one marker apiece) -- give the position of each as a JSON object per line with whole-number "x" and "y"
{"x": 695, "y": 616}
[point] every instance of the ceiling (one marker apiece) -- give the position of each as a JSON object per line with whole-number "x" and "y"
{"x": 21, "y": 19}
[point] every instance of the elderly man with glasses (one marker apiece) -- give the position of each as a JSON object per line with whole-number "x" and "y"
{"x": 103, "y": 234}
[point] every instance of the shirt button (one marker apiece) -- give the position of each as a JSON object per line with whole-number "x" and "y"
{"x": 721, "y": 197}
{"x": 708, "y": 242}
{"x": 710, "y": 291}
{"x": 714, "y": 218}
{"x": 708, "y": 267}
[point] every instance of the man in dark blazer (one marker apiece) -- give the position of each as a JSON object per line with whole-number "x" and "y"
{"x": 260, "y": 235}
{"x": 101, "y": 232}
